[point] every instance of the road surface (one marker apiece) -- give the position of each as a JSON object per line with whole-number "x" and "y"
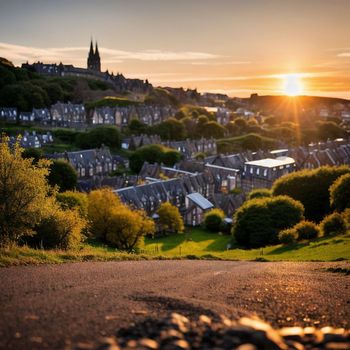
{"x": 55, "y": 306}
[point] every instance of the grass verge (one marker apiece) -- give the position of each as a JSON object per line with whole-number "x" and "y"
{"x": 197, "y": 244}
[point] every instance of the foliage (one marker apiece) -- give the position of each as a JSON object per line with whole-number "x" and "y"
{"x": 153, "y": 154}
{"x": 288, "y": 236}
{"x": 259, "y": 193}
{"x": 306, "y": 230}
{"x": 100, "y": 204}
{"x": 212, "y": 129}
{"x": 213, "y": 219}
{"x": 136, "y": 127}
{"x": 170, "y": 218}
{"x": 24, "y": 193}
{"x": 346, "y": 216}
{"x": 34, "y": 153}
{"x": 101, "y": 135}
{"x": 73, "y": 200}
{"x": 250, "y": 141}
{"x": 333, "y": 225}
{"x": 170, "y": 129}
{"x": 111, "y": 101}
{"x": 340, "y": 193}
{"x": 63, "y": 175}
{"x": 65, "y": 135}
{"x": 310, "y": 187}
{"x": 60, "y": 229}
{"x": 115, "y": 223}
{"x": 329, "y": 130}
{"x": 258, "y": 221}
{"x": 128, "y": 228}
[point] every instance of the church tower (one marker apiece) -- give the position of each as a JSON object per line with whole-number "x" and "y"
{"x": 94, "y": 60}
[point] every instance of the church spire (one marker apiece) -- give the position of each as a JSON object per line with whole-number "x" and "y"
{"x": 91, "y": 52}
{"x": 94, "y": 60}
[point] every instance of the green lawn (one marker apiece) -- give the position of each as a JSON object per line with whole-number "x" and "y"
{"x": 204, "y": 243}
{"x": 195, "y": 244}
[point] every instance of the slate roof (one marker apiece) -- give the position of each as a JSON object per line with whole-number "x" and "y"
{"x": 272, "y": 163}
{"x": 201, "y": 201}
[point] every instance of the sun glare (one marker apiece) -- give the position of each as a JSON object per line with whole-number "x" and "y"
{"x": 292, "y": 85}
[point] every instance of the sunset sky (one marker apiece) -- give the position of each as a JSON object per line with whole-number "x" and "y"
{"x": 232, "y": 46}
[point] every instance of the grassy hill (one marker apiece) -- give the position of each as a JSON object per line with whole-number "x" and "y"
{"x": 196, "y": 244}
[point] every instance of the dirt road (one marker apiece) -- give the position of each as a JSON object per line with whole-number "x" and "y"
{"x": 52, "y": 306}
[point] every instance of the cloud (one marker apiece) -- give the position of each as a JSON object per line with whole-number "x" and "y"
{"x": 201, "y": 63}
{"x": 77, "y": 55}
{"x": 344, "y": 54}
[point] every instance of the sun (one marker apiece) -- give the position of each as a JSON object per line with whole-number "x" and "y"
{"x": 292, "y": 85}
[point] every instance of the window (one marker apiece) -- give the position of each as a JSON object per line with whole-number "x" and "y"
{"x": 257, "y": 171}
{"x": 265, "y": 172}
{"x": 82, "y": 172}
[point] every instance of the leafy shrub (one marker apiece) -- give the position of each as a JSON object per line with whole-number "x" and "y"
{"x": 311, "y": 188}
{"x": 115, "y": 223}
{"x": 63, "y": 175}
{"x": 73, "y": 200}
{"x": 333, "y": 225}
{"x": 153, "y": 154}
{"x": 101, "y": 135}
{"x": 259, "y": 193}
{"x": 288, "y": 236}
{"x": 258, "y": 221}
{"x": 170, "y": 218}
{"x": 128, "y": 228}
{"x": 60, "y": 229}
{"x": 306, "y": 230}
{"x": 100, "y": 204}
{"x": 213, "y": 220}
{"x": 346, "y": 216}
{"x": 340, "y": 193}
{"x": 23, "y": 193}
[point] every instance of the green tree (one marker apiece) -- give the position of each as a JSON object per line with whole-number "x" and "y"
{"x": 213, "y": 220}
{"x": 60, "y": 229}
{"x": 170, "y": 218}
{"x": 153, "y": 154}
{"x": 100, "y": 204}
{"x": 329, "y": 130}
{"x": 23, "y": 193}
{"x": 73, "y": 200}
{"x": 259, "y": 193}
{"x": 128, "y": 227}
{"x": 340, "y": 193}
{"x": 171, "y": 129}
{"x": 34, "y": 153}
{"x": 258, "y": 221}
{"x": 63, "y": 175}
{"x": 135, "y": 127}
{"x": 311, "y": 188}
{"x": 101, "y": 135}
{"x": 213, "y": 129}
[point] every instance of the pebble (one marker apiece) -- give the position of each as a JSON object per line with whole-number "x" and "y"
{"x": 177, "y": 332}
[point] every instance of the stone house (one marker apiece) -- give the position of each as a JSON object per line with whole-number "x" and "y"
{"x": 196, "y": 207}
{"x": 68, "y": 114}
{"x": 8, "y": 114}
{"x": 92, "y": 162}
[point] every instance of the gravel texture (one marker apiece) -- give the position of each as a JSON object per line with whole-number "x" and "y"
{"x": 177, "y": 332}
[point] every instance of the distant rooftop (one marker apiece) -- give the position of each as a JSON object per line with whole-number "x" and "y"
{"x": 201, "y": 201}
{"x": 271, "y": 163}
{"x": 276, "y": 151}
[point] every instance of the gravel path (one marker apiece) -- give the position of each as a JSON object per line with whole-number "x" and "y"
{"x": 55, "y": 306}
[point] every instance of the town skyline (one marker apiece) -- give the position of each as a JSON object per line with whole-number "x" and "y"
{"x": 232, "y": 47}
